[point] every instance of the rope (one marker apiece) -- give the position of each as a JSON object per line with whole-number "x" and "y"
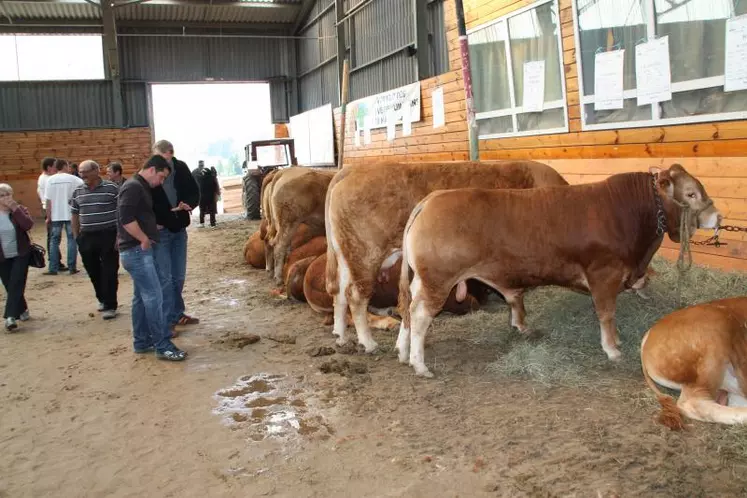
{"x": 685, "y": 258}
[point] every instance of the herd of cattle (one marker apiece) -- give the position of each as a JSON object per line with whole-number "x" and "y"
{"x": 374, "y": 241}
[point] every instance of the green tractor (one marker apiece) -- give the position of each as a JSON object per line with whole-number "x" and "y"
{"x": 273, "y": 154}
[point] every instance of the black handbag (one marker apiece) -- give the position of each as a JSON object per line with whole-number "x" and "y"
{"x": 36, "y": 256}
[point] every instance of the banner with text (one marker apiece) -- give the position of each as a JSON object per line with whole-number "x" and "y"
{"x": 385, "y": 105}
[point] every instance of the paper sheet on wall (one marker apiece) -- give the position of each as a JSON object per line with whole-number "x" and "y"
{"x": 437, "y": 102}
{"x": 367, "y": 130}
{"x": 534, "y": 86}
{"x": 357, "y": 137}
{"x": 735, "y": 64}
{"x": 391, "y": 125}
{"x": 653, "y": 78}
{"x": 406, "y": 122}
{"x": 608, "y": 80}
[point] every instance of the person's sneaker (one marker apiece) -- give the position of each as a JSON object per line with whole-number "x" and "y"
{"x": 149, "y": 349}
{"x": 109, "y": 314}
{"x": 74, "y": 271}
{"x": 49, "y": 273}
{"x": 174, "y": 354}
{"x": 10, "y": 324}
{"x": 25, "y": 316}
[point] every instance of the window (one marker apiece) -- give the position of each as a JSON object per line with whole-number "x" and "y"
{"x": 51, "y": 57}
{"x": 499, "y": 53}
{"x": 697, "y": 38}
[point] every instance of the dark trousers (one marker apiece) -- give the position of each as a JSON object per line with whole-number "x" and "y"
{"x": 101, "y": 261}
{"x": 209, "y": 208}
{"x": 13, "y": 272}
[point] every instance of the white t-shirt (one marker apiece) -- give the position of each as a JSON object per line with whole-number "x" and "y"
{"x": 60, "y": 188}
{"x": 41, "y": 186}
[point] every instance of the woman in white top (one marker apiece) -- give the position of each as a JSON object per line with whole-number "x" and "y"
{"x": 15, "y": 246}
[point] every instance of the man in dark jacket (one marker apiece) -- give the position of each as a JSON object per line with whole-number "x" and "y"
{"x": 173, "y": 203}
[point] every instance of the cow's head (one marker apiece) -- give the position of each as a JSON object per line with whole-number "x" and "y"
{"x": 679, "y": 189}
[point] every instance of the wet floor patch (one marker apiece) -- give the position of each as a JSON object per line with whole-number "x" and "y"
{"x": 271, "y": 406}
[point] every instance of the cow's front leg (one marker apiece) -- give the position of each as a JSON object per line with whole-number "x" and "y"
{"x": 605, "y": 303}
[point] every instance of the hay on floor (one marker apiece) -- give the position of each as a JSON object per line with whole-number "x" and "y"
{"x": 569, "y": 352}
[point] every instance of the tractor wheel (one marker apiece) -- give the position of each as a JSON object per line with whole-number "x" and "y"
{"x": 251, "y": 195}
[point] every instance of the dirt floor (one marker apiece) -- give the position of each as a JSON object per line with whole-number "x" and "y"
{"x": 81, "y": 415}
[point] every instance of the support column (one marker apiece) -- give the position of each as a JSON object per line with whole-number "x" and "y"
{"x": 339, "y": 14}
{"x": 111, "y": 58}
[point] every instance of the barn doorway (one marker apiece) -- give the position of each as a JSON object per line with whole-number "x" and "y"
{"x": 213, "y": 122}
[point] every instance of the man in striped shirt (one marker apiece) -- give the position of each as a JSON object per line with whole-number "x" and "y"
{"x": 94, "y": 220}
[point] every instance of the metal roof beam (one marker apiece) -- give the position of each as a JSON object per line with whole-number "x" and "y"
{"x": 273, "y": 28}
{"x": 303, "y": 12}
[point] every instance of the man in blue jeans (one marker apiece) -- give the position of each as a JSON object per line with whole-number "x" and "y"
{"x": 137, "y": 235}
{"x": 173, "y": 203}
{"x": 58, "y": 192}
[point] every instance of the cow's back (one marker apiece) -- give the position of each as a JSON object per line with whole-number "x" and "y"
{"x": 369, "y": 204}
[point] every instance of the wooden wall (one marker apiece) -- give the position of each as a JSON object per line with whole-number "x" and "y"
{"x": 714, "y": 152}
{"x": 21, "y": 154}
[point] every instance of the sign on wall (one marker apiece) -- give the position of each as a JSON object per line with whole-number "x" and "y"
{"x": 313, "y": 136}
{"x": 390, "y": 104}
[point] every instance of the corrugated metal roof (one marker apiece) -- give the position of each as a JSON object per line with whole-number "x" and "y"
{"x": 206, "y": 13}
{"x": 49, "y": 10}
{"x": 265, "y": 11}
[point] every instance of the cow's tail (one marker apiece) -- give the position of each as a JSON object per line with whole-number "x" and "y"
{"x": 332, "y": 283}
{"x": 670, "y": 415}
{"x": 405, "y": 295}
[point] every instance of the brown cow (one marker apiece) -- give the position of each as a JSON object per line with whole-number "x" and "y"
{"x": 700, "y": 351}
{"x": 295, "y": 278}
{"x": 596, "y": 238}
{"x": 386, "y": 290}
{"x": 367, "y": 209}
{"x": 297, "y": 197}
{"x": 254, "y": 248}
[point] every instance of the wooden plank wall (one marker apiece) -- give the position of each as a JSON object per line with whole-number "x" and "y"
{"x": 714, "y": 152}
{"x": 21, "y": 154}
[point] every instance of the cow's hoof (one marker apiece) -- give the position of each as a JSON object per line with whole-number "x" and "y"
{"x": 371, "y": 347}
{"x": 403, "y": 356}
{"x": 614, "y": 355}
{"x": 643, "y": 295}
{"x": 423, "y": 372}
{"x": 340, "y": 341}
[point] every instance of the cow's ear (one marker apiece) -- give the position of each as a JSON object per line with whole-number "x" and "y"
{"x": 665, "y": 185}
{"x": 655, "y": 170}
{"x": 676, "y": 169}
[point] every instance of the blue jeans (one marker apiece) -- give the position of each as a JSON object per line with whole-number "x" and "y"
{"x": 149, "y": 327}
{"x": 171, "y": 263}
{"x": 54, "y": 250}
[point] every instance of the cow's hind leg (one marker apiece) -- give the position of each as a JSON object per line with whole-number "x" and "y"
{"x": 281, "y": 248}
{"x": 359, "y": 311}
{"x": 515, "y": 299}
{"x": 700, "y": 405}
{"x": 423, "y": 308}
{"x": 269, "y": 258}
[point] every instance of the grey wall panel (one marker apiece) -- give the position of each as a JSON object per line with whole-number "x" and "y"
{"x": 437, "y": 38}
{"x": 62, "y": 105}
{"x": 135, "y": 97}
{"x": 382, "y": 27}
{"x": 392, "y": 72}
{"x": 246, "y": 59}
{"x": 164, "y": 58}
{"x": 57, "y": 105}
{"x": 279, "y": 101}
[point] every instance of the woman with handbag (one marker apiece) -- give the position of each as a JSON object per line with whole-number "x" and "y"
{"x": 15, "y": 253}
